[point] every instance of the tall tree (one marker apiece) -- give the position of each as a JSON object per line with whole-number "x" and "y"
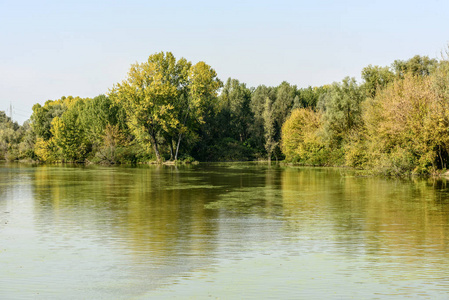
{"x": 301, "y": 141}
{"x": 43, "y": 116}
{"x": 203, "y": 90}
{"x": 95, "y": 114}
{"x": 308, "y": 97}
{"x": 149, "y": 94}
{"x": 342, "y": 109}
{"x": 69, "y": 133}
{"x": 269, "y": 128}
{"x": 285, "y": 100}
{"x": 9, "y": 135}
{"x": 163, "y": 96}
{"x": 235, "y": 99}
{"x": 417, "y": 65}
{"x": 376, "y": 78}
{"x": 259, "y": 99}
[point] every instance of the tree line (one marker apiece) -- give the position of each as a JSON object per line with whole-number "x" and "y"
{"x": 395, "y": 121}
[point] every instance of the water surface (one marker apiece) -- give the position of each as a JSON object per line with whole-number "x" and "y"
{"x": 226, "y": 231}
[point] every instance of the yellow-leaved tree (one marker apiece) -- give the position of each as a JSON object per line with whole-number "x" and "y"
{"x": 161, "y": 96}
{"x": 407, "y": 127}
{"x": 301, "y": 139}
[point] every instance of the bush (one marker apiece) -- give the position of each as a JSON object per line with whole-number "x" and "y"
{"x": 301, "y": 140}
{"x": 406, "y": 125}
{"x": 355, "y": 150}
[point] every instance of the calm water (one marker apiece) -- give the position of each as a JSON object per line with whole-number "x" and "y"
{"x": 226, "y": 231}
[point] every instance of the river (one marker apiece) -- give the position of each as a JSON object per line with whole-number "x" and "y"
{"x": 220, "y": 231}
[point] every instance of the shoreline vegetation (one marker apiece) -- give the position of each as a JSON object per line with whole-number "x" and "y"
{"x": 169, "y": 111}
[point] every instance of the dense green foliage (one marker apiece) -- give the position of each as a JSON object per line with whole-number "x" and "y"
{"x": 395, "y": 122}
{"x": 15, "y": 141}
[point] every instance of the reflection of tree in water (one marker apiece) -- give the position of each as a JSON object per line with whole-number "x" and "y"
{"x": 406, "y": 216}
{"x": 253, "y": 190}
{"x": 165, "y": 221}
{"x": 388, "y": 216}
{"x": 314, "y": 203}
{"x": 155, "y": 215}
{"x": 166, "y": 217}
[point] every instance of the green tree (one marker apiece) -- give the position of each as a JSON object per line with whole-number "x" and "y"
{"x": 69, "y": 134}
{"x": 301, "y": 139}
{"x": 95, "y": 115}
{"x": 259, "y": 98}
{"x": 42, "y": 117}
{"x": 16, "y": 142}
{"x": 282, "y": 106}
{"x": 235, "y": 101}
{"x": 27, "y": 142}
{"x": 417, "y": 65}
{"x": 269, "y": 129}
{"x": 376, "y": 78}
{"x": 113, "y": 140}
{"x": 202, "y": 92}
{"x": 8, "y": 136}
{"x": 309, "y": 97}
{"x": 407, "y": 128}
{"x": 342, "y": 110}
{"x": 149, "y": 94}
{"x": 165, "y": 99}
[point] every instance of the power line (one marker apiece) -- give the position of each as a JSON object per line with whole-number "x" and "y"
{"x": 20, "y": 105}
{"x": 24, "y": 111}
{"x": 21, "y": 115}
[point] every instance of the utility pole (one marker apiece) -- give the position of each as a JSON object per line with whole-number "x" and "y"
{"x": 10, "y": 110}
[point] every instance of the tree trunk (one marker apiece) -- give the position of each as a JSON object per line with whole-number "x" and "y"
{"x": 156, "y": 148}
{"x": 180, "y": 133}
{"x": 443, "y": 165}
{"x": 177, "y": 147}
{"x": 171, "y": 149}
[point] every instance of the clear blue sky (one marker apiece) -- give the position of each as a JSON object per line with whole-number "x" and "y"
{"x": 81, "y": 48}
